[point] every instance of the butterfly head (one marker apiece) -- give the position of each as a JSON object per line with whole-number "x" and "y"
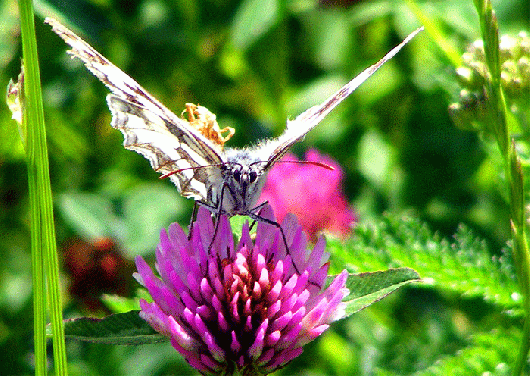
{"x": 243, "y": 178}
{"x": 243, "y": 175}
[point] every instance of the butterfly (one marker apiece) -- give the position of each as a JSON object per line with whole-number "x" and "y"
{"x": 225, "y": 180}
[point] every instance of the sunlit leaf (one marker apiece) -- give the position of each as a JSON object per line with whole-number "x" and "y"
{"x": 368, "y": 288}
{"x": 119, "y": 329}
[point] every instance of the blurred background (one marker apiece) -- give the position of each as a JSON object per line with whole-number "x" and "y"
{"x": 254, "y": 63}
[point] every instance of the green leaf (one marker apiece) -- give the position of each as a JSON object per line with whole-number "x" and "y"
{"x": 147, "y": 209}
{"x": 252, "y": 20}
{"x": 237, "y": 222}
{"x": 368, "y": 288}
{"x": 120, "y": 304}
{"x": 119, "y": 329}
{"x": 437, "y": 34}
{"x": 90, "y": 215}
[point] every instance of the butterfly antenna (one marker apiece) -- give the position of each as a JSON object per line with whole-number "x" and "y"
{"x": 188, "y": 168}
{"x": 314, "y": 163}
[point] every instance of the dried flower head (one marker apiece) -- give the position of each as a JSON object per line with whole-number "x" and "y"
{"x": 239, "y": 309}
{"x": 205, "y": 122}
{"x": 473, "y": 75}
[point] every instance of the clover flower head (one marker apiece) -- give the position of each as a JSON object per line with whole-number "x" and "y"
{"x": 239, "y": 309}
{"x": 312, "y": 193}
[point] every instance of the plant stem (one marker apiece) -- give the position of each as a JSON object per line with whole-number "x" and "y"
{"x": 514, "y": 176}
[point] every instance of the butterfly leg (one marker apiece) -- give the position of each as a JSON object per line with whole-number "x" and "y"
{"x": 259, "y": 218}
{"x": 257, "y": 209}
{"x": 192, "y": 219}
{"x": 252, "y": 225}
{"x": 216, "y": 212}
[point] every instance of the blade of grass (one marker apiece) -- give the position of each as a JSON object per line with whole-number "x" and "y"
{"x": 435, "y": 32}
{"x": 490, "y": 35}
{"x": 43, "y": 245}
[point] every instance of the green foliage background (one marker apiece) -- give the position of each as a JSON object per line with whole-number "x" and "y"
{"x": 254, "y": 64}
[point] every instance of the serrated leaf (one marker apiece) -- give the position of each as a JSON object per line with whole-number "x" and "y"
{"x": 368, "y": 288}
{"x": 488, "y": 353}
{"x": 463, "y": 266}
{"x": 119, "y": 329}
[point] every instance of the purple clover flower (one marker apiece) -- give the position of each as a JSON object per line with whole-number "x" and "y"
{"x": 312, "y": 193}
{"x": 240, "y": 309}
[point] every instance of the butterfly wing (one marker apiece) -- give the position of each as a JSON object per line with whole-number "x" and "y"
{"x": 168, "y": 147}
{"x": 307, "y": 120}
{"x": 149, "y": 128}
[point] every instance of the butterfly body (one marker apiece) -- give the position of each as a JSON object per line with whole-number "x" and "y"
{"x": 244, "y": 175}
{"x": 227, "y": 181}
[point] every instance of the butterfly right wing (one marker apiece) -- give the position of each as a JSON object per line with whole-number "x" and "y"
{"x": 307, "y": 120}
{"x": 149, "y": 128}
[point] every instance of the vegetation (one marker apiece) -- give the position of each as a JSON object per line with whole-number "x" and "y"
{"x": 436, "y": 176}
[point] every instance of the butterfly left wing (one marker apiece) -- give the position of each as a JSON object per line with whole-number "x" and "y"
{"x": 147, "y": 133}
{"x": 149, "y": 128}
{"x": 307, "y": 120}
{"x": 114, "y": 78}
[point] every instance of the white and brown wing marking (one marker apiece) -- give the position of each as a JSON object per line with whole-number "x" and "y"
{"x": 149, "y": 128}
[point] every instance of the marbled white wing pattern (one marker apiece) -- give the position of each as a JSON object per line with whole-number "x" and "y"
{"x": 149, "y": 128}
{"x": 226, "y": 181}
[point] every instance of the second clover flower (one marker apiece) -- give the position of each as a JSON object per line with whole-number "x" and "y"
{"x": 312, "y": 193}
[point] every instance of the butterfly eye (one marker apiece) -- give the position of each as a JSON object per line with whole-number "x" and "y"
{"x": 252, "y": 176}
{"x": 237, "y": 175}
